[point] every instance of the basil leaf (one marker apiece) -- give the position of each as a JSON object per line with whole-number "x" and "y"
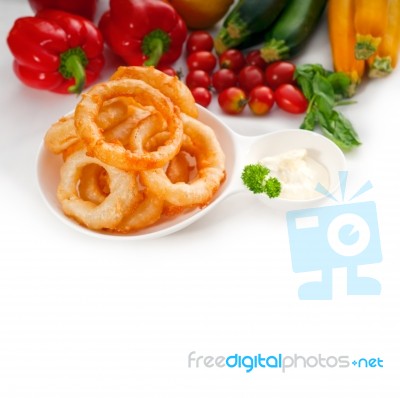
{"x": 323, "y": 88}
{"x": 310, "y": 70}
{"x": 340, "y": 130}
{"x": 324, "y": 104}
{"x": 306, "y": 87}
{"x": 310, "y": 120}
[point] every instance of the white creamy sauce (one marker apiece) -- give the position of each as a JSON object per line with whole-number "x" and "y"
{"x": 298, "y": 173}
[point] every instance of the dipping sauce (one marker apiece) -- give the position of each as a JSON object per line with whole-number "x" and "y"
{"x": 298, "y": 173}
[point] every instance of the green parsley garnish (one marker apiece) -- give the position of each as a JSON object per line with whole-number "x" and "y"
{"x": 255, "y": 178}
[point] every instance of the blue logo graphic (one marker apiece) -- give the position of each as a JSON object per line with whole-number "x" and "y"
{"x": 342, "y": 235}
{"x": 281, "y": 361}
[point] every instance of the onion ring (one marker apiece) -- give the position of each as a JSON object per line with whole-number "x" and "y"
{"x": 178, "y": 169}
{"x": 90, "y": 184}
{"x": 145, "y": 214}
{"x": 149, "y": 128}
{"x": 77, "y": 146}
{"x": 115, "y": 154}
{"x": 210, "y": 161}
{"x": 115, "y": 111}
{"x": 170, "y": 86}
{"x": 121, "y": 133}
{"x": 123, "y": 196}
{"x": 62, "y": 133}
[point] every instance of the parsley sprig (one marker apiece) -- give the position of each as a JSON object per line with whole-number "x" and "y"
{"x": 256, "y": 178}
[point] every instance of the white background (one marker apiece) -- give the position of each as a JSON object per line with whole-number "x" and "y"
{"x": 83, "y": 317}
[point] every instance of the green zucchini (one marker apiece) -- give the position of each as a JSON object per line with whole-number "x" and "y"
{"x": 246, "y": 18}
{"x": 288, "y": 34}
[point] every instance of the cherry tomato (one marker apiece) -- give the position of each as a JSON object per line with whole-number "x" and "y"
{"x": 249, "y": 77}
{"x": 261, "y": 100}
{"x": 204, "y": 60}
{"x": 254, "y": 58}
{"x": 168, "y": 70}
{"x": 232, "y": 59}
{"x": 202, "y": 96}
{"x": 232, "y": 100}
{"x": 198, "y": 78}
{"x": 278, "y": 73}
{"x": 290, "y": 98}
{"x": 199, "y": 40}
{"x": 224, "y": 78}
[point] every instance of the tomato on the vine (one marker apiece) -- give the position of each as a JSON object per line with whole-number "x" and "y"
{"x": 250, "y": 76}
{"x": 232, "y": 59}
{"x": 198, "y": 78}
{"x": 224, "y": 78}
{"x": 199, "y": 40}
{"x": 254, "y": 58}
{"x": 202, "y": 96}
{"x": 279, "y": 72}
{"x": 290, "y": 98}
{"x": 232, "y": 100}
{"x": 204, "y": 60}
{"x": 261, "y": 100}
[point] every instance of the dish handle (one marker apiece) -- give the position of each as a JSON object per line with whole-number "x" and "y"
{"x": 241, "y": 149}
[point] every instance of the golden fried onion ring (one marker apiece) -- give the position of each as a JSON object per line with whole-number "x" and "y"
{"x": 118, "y": 117}
{"x": 90, "y": 184}
{"x": 170, "y": 86}
{"x": 113, "y": 113}
{"x": 108, "y": 214}
{"x": 145, "y": 214}
{"x": 178, "y": 169}
{"x": 61, "y": 135}
{"x": 123, "y": 130}
{"x": 210, "y": 161}
{"x": 114, "y": 153}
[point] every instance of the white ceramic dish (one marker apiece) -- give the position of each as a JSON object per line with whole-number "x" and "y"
{"x": 239, "y": 151}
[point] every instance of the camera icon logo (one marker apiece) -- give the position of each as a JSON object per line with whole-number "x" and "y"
{"x": 325, "y": 238}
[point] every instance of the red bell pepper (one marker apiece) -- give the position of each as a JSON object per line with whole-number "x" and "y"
{"x": 56, "y": 51}
{"x": 144, "y": 32}
{"x": 85, "y": 8}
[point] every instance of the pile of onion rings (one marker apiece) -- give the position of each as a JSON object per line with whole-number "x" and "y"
{"x": 135, "y": 153}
